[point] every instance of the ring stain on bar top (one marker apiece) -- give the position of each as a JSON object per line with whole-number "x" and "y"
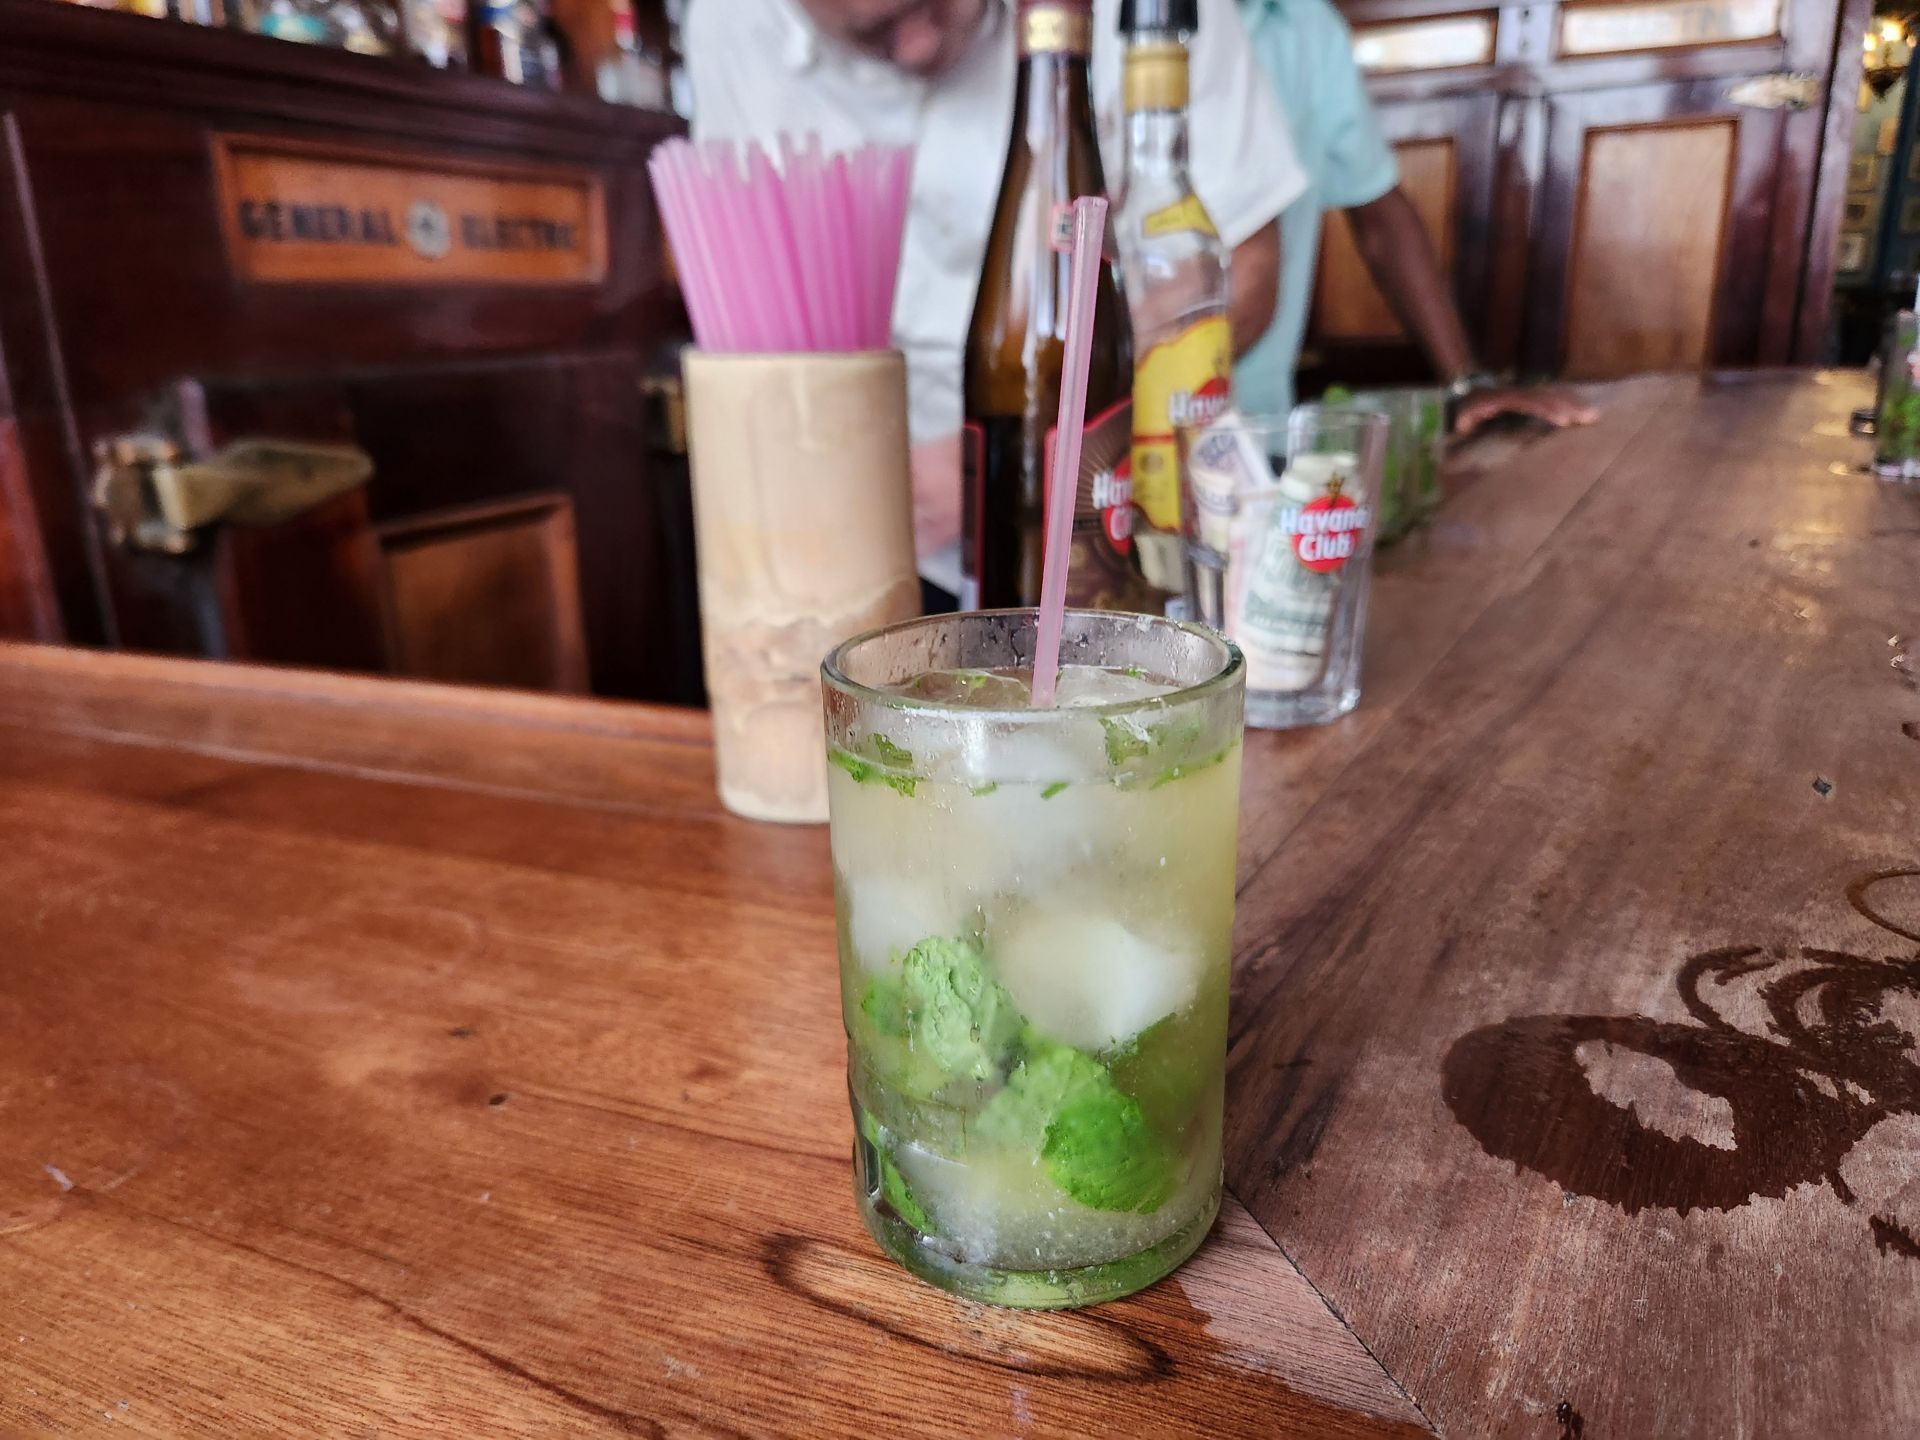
{"x": 1706, "y": 1114}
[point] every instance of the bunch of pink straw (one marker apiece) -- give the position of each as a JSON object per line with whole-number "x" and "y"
{"x": 802, "y": 257}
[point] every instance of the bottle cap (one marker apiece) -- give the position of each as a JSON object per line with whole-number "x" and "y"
{"x": 1148, "y": 17}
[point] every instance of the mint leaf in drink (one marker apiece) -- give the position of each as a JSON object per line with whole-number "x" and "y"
{"x": 1166, "y": 1071}
{"x": 893, "y": 1185}
{"x": 1101, "y": 1151}
{"x": 895, "y": 755}
{"x": 1186, "y": 768}
{"x": 1054, "y": 789}
{"x": 1133, "y": 672}
{"x": 1048, "y": 1075}
{"x": 885, "y": 1006}
{"x": 1125, "y": 740}
{"x": 868, "y": 773}
{"x": 890, "y": 1052}
{"x": 1092, "y": 1137}
{"x": 986, "y": 789}
{"x": 956, "y": 1013}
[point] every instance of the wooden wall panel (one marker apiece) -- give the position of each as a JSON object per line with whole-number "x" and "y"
{"x": 1348, "y": 305}
{"x": 1649, "y": 232}
{"x": 27, "y": 608}
{"x": 487, "y": 594}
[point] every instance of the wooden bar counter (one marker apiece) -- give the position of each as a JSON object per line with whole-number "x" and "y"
{"x": 385, "y": 1059}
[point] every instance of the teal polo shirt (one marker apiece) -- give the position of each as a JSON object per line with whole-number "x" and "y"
{"x": 1306, "y": 53}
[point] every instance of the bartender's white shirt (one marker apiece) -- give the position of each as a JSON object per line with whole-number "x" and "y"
{"x": 760, "y": 67}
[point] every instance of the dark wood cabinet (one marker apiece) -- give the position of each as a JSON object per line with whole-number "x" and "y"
{"x": 1616, "y": 185}
{"x": 477, "y": 299}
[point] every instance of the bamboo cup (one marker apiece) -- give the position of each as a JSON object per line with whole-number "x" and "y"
{"x": 803, "y": 520}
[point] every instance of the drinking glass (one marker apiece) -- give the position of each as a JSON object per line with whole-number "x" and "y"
{"x": 1035, "y": 923}
{"x": 1280, "y": 530}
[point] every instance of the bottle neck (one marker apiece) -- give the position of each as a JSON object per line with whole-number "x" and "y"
{"x": 1052, "y": 89}
{"x": 1157, "y": 144}
{"x": 1063, "y": 31}
{"x": 1154, "y": 90}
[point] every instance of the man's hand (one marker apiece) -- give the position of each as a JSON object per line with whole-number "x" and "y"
{"x": 1559, "y": 408}
{"x": 936, "y": 494}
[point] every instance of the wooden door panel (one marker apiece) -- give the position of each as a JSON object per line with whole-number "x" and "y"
{"x": 486, "y": 595}
{"x": 1349, "y": 305}
{"x": 1647, "y": 244}
{"x": 1655, "y": 245}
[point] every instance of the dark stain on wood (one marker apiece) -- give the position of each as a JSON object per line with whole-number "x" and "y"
{"x": 1890, "y": 1237}
{"x": 1573, "y": 1425}
{"x": 1083, "y": 1346}
{"x": 1800, "y": 1097}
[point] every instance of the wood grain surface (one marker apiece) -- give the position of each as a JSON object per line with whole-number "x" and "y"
{"x": 385, "y": 1058}
{"x": 1574, "y": 1035}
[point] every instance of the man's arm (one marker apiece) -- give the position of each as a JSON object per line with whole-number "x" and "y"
{"x": 1255, "y": 285}
{"x": 1392, "y": 240}
{"x": 1399, "y": 255}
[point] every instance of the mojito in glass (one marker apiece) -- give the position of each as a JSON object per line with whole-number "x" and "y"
{"x": 1035, "y": 926}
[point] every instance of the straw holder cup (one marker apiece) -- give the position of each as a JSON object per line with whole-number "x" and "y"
{"x": 803, "y": 520}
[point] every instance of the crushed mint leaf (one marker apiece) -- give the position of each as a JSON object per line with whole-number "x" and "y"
{"x": 893, "y": 1185}
{"x": 885, "y": 1005}
{"x": 1054, "y": 789}
{"x": 891, "y": 753}
{"x": 868, "y": 773}
{"x": 1124, "y": 741}
{"x": 1101, "y": 1151}
{"x": 1181, "y": 771}
{"x": 1092, "y": 1137}
{"x": 986, "y": 789}
{"x": 956, "y": 1013}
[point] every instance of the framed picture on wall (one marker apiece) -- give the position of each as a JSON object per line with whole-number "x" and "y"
{"x": 1913, "y": 164}
{"x": 1910, "y": 215}
{"x": 1857, "y": 212}
{"x": 1863, "y": 170}
{"x": 1851, "y": 254}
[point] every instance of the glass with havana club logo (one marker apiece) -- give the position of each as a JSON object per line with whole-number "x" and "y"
{"x": 1281, "y": 518}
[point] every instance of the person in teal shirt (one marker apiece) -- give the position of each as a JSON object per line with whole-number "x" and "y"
{"x": 1306, "y": 53}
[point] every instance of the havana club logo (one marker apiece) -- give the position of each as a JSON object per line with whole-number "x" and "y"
{"x": 1326, "y": 531}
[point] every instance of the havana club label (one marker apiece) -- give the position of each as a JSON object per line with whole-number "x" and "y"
{"x": 1184, "y": 382}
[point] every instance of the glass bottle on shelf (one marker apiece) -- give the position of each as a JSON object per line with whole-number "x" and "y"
{"x": 436, "y": 31}
{"x": 628, "y": 74}
{"x": 513, "y": 40}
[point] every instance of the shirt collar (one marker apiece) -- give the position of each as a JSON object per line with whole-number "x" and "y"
{"x": 799, "y": 41}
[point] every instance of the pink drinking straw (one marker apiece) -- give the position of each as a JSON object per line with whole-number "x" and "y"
{"x": 1089, "y": 234}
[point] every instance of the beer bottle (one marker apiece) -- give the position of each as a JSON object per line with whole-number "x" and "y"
{"x": 1016, "y": 343}
{"x": 1175, "y": 266}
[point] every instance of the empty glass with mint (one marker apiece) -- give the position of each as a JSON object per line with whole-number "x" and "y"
{"x": 1035, "y": 920}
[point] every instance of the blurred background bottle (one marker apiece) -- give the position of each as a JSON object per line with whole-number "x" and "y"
{"x": 1016, "y": 342}
{"x": 1175, "y": 266}
{"x": 436, "y": 31}
{"x": 513, "y": 39}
